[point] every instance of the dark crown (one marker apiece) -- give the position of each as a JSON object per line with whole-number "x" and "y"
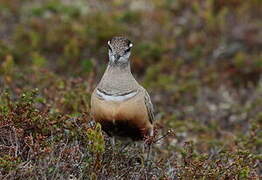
{"x": 120, "y": 44}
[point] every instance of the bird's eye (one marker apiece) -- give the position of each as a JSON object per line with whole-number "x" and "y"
{"x": 109, "y": 48}
{"x": 128, "y": 49}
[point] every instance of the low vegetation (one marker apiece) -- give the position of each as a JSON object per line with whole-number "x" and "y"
{"x": 201, "y": 62}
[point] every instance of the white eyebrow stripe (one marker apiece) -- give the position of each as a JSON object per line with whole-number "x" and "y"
{"x": 116, "y": 98}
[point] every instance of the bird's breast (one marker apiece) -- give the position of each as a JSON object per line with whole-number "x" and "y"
{"x": 121, "y": 118}
{"x": 115, "y": 108}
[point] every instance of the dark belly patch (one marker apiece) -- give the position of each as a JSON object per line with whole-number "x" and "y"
{"x": 122, "y": 129}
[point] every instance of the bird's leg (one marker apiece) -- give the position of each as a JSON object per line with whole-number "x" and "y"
{"x": 112, "y": 140}
{"x": 149, "y": 142}
{"x": 143, "y": 147}
{"x": 149, "y": 151}
{"x": 113, "y": 146}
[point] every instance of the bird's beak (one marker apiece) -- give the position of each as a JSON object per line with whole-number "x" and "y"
{"x": 116, "y": 56}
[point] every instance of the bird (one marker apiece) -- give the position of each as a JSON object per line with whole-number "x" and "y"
{"x": 119, "y": 103}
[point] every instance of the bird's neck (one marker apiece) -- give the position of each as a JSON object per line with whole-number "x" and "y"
{"x": 118, "y": 69}
{"x": 118, "y": 79}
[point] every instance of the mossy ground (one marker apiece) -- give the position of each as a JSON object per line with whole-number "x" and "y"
{"x": 201, "y": 62}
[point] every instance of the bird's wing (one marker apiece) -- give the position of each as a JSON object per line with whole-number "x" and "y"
{"x": 149, "y": 107}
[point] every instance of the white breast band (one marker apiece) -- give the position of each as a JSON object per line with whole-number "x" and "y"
{"x": 118, "y": 98}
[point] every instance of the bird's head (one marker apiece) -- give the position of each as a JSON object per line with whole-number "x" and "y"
{"x": 119, "y": 50}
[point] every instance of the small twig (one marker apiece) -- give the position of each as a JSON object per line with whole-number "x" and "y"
{"x": 167, "y": 134}
{"x": 127, "y": 144}
{"x": 16, "y": 142}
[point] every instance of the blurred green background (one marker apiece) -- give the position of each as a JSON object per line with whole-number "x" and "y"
{"x": 201, "y": 62}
